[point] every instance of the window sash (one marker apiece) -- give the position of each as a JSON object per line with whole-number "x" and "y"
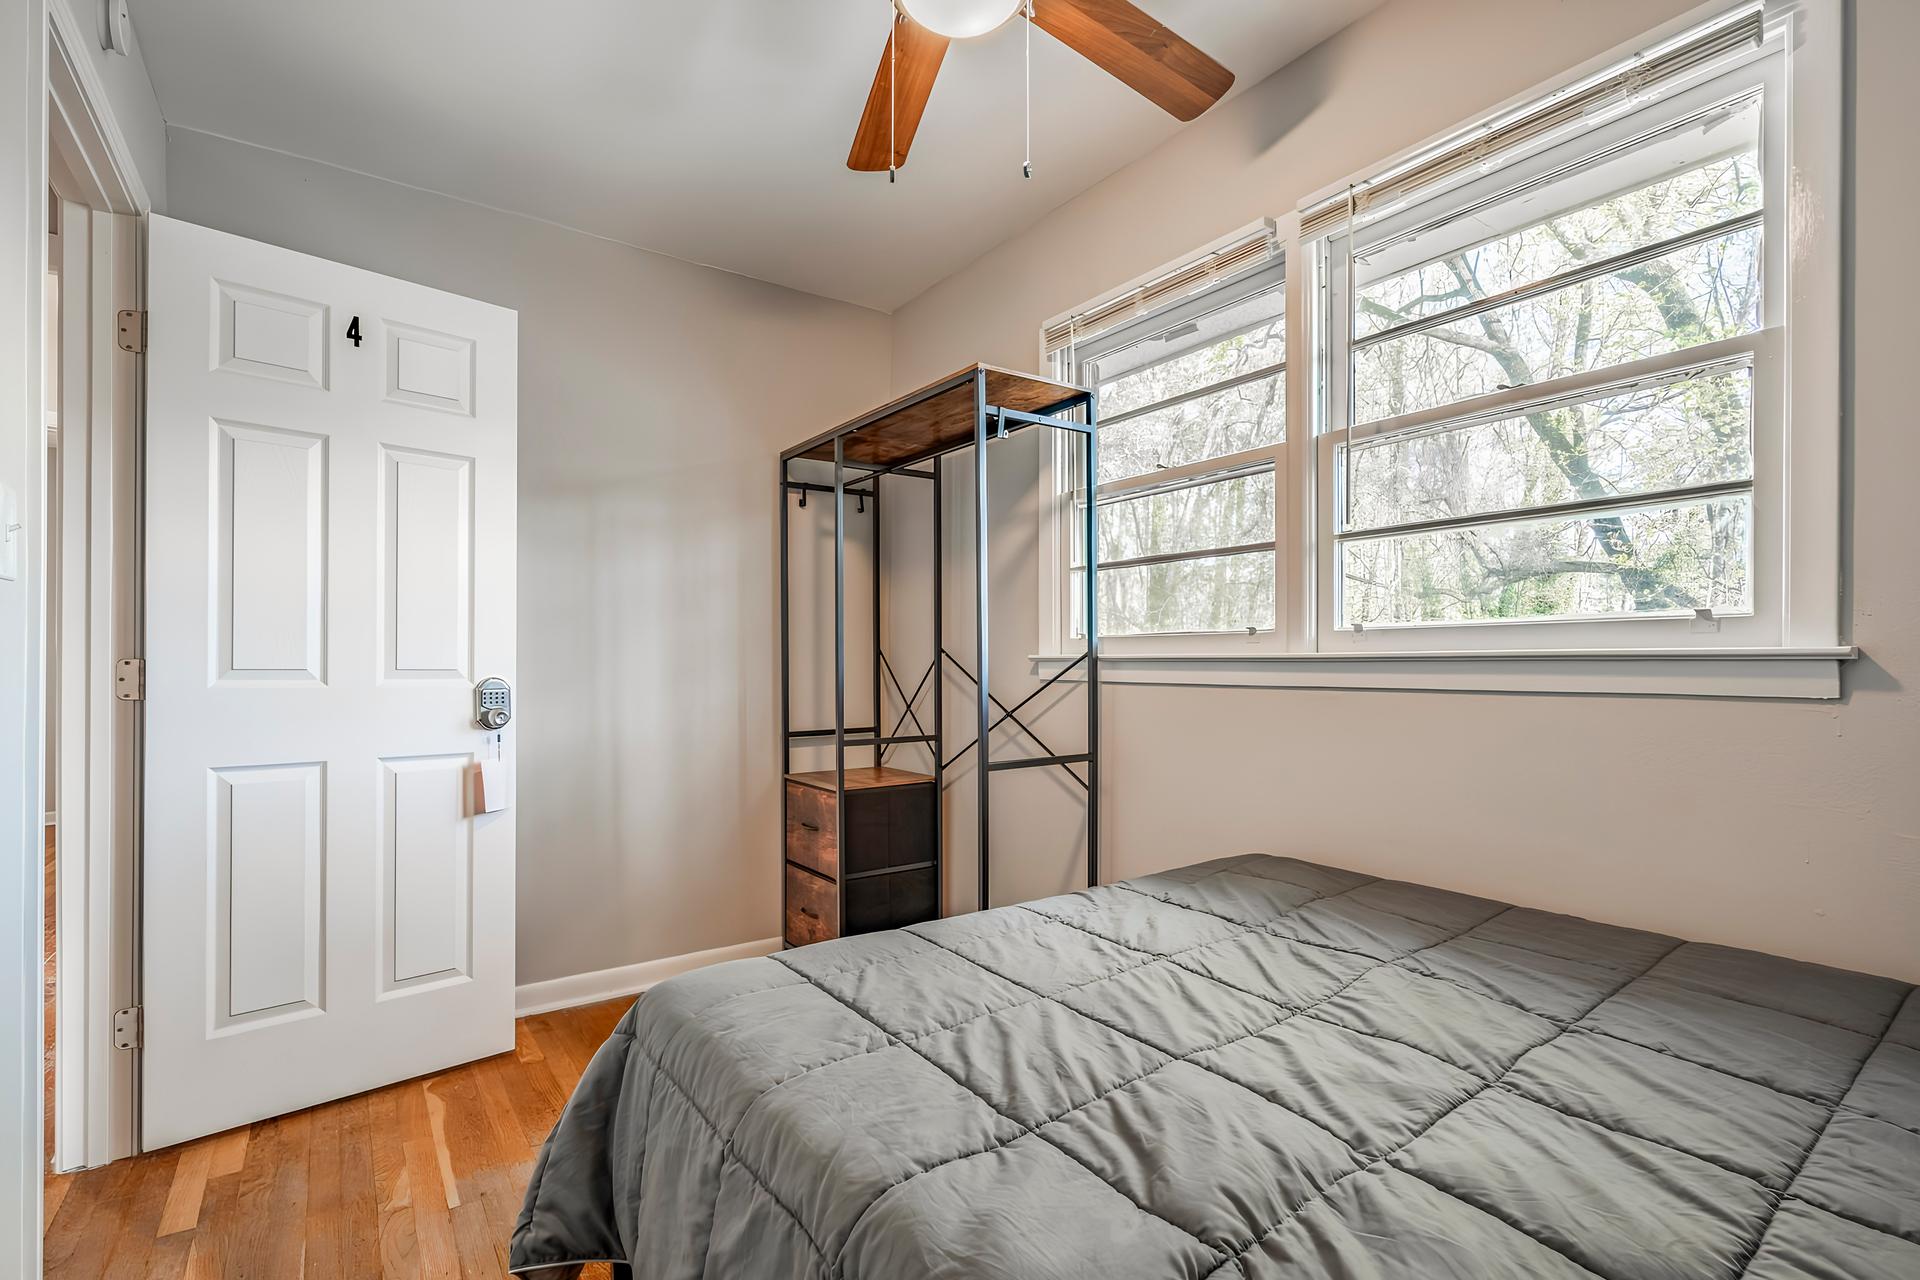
{"x": 1266, "y": 278}
{"x": 1335, "y": 361}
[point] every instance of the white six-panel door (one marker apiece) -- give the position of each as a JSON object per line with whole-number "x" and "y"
{"x": 329, "y": 571}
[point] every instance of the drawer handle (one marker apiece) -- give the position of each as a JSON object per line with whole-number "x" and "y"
{"x": 809, "y": 826}
{"x": 808, "y": 912}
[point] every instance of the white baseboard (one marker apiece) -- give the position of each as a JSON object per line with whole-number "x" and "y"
{"x": 607, "y": 984}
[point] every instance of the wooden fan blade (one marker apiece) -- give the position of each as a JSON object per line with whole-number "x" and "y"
{"x": 914, "y": 54}
{"x": 1121, "y": 39}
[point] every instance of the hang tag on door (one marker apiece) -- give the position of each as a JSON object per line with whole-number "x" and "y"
{"x": 489, "y": 786}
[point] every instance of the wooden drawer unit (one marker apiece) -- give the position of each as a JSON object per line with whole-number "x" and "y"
{"x": 865, "y": 865}
{"x": 813, "y": 907}
{"x": 812, "y": 840}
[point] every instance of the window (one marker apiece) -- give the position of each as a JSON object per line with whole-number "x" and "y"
{"x": 1553, "y": 390}
{"x": 1193, "y": 420}
{"x": 1559, "y": 390}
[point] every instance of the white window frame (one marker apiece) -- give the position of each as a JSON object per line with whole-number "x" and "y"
{"x": 1760, "y": 70}
{"x": 1061, "y": 496}
{"x": 1793, "y": 644}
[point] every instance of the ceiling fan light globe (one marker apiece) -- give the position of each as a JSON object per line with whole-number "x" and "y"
{"x": 960, "y": 19}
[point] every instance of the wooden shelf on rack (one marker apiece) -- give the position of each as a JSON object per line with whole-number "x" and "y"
{"x": 938, "y": 417}
{"x": 863, "y": 779}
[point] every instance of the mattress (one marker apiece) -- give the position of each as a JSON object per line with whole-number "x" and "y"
{"x": 1248, "y": 1069}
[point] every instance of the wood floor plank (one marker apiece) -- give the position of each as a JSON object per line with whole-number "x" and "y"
{"x": 170, "y": 1257}
{"x": 432, "y": 1223}
{"x": 189, "y": 1184}
{"x": 321, "y": 1255}
{"x": 54, "y": 1195}
{"x": 419, "y": 1181}
{"x": 558, "y": 1048}
{"x": 392, "y": 1194}
{"x": 536, "y": 1097}
{"x": 229, "y": 1151}
{"x": 273, "y": 1196}
{"x": 436, "y": 1104}
{"x": 510, "y": 1139}
{"x": 212, "y": 1249}
{"x": 148, "y": 1187}
{"x": 343, "y": 1221}
{"x": 81, "y": 1239}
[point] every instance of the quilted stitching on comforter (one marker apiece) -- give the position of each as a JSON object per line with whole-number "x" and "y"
{"x": 1249, "y": 1069}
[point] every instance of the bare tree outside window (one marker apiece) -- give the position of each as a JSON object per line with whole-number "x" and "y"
{"x": 1689, "y": 273}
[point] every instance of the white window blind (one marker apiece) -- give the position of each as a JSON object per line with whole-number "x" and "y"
{"x": 1571, "y": 109}
{"x": 1182, "y": 281}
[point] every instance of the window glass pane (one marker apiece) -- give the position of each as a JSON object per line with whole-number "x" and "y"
{"x": 1225, "y": 513}
{"x": 1697, "y": 294}
{"x": 1655, "y": 560}
{"x": 1217, "y": 593}
{"x": 1246, "y": 416}
{"x": 1192, "y": 357}
{"x": 1623, "y": 203}
{"x": 1689, "y": 432}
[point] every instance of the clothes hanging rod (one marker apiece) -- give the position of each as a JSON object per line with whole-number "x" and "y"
{"x": 806, "y": 486}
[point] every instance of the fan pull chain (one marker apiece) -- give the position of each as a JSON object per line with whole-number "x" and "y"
{"x": 1026, "y": 166}
{"x": 893, "y": 89}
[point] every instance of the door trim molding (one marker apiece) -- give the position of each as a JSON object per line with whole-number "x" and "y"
{"x": 628, "y": 979}
{"x": 100, "y": 156}
{"x": 97, "y": 858}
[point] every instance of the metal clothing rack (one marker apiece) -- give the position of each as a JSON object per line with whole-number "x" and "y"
{"x": 907, "y": 438}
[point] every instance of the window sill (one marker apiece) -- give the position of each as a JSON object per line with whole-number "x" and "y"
{"x": 1809, "y": 673}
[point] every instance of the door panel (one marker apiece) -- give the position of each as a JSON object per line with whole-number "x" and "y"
{"x": 330, "y": 566}
{"x": 428, "y": 528}
{"x": 429, "y": 850}
{"x": 271, "y": 552}
{"x": 270, "y": 863}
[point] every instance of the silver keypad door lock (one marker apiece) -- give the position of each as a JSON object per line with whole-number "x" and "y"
{"x": 492, "y": 703}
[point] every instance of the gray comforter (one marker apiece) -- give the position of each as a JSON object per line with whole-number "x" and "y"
{"x": 1245, "y": 1069}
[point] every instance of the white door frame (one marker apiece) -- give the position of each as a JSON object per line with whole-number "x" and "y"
{"x": 96, "y": 775}
{"x": 94, "y": 593}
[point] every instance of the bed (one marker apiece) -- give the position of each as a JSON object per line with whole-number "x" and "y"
{"x": 1251, "y": 1069}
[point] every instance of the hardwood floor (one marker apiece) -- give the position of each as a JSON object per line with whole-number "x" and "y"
{"x": 421, "y": 1179}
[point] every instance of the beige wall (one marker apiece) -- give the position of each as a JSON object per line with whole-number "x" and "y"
{"x": 654, "y": 398}
{"x": 649, "y": 423}
{"x": 1792, "y": 827}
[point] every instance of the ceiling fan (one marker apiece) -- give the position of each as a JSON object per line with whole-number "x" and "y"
{"x": 1115, "y": 35}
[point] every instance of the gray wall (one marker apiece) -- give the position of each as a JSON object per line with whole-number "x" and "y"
{"x": 1793, "y": 827}
{"x": 654, "y": 398}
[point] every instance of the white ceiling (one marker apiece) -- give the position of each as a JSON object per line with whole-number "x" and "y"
{"x": 713, "y": 130}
